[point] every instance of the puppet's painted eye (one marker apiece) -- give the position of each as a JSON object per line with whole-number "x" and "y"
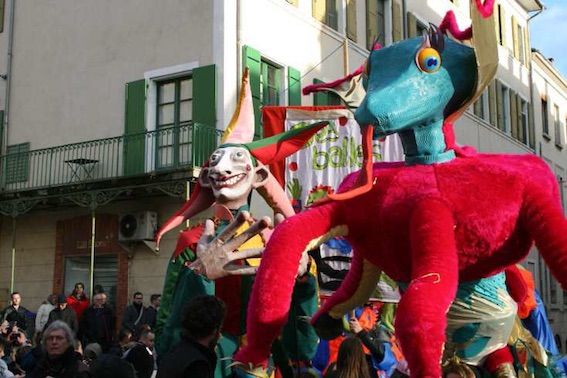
{"x": 239, "y": 155}
{"x": 215, "y": 157}
{"x": 428, "y": 60}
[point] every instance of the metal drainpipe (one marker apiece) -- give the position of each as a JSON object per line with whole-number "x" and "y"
{"x": 239, "y": 63}
{"x": 13, "y": 270}
{"x": 93, "y": 238}
{"x": 4, "y": 142}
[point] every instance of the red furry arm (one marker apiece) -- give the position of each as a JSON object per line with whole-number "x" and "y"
{"x": 271, "y": 294}
{"x": 420, "y": 319}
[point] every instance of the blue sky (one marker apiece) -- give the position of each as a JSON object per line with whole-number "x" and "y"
{"x": 549, "y": 33}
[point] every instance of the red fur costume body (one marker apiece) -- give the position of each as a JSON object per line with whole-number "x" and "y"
{"x": 427, "y": 225}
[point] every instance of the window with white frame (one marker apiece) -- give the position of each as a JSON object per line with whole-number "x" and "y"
{"x": 557, "y": 126}
{"x": 524, "y": 121}
{"x": 173, "y": 114}
{"x": 504, "y": 123}
{"x": 544, "y": 117}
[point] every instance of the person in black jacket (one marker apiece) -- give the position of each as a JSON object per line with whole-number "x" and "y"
{"x": 194, "y": 356}
{"x": 64, "y": 313}
{"x": 15, "y": 313}
{"x": 141, "y": 356}
{"x": 97, "y": 324}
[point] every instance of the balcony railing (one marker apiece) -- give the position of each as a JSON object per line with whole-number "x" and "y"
{"x": 162, "y": 150}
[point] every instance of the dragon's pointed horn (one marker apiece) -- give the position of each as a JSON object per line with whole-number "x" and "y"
{"x": 436, "y": 38}
{"x": 241, "y": 126}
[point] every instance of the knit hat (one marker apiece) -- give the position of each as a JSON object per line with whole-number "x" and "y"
{"x": 61, "y": 299}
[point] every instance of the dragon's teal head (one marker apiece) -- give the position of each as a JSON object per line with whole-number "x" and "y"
{"x": 416, "y": 82}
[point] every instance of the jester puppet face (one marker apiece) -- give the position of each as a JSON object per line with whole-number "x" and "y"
{"x": 232, "y": 174}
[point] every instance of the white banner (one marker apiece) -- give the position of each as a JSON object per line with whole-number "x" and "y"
{"x": 330, "y": 155}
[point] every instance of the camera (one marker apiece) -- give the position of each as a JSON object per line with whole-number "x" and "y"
{"x": 14, "y": 336}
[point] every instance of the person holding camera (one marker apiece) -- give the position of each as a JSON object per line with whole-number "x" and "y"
{"x": 16, "y": 313}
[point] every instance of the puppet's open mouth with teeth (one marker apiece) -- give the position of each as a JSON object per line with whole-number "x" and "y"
{"x": 228, "y": 181}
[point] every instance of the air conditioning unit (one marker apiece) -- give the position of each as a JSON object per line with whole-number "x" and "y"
{"x": 137, "y": 226}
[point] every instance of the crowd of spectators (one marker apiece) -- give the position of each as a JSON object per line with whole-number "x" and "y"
{"x": 52, "y": 345}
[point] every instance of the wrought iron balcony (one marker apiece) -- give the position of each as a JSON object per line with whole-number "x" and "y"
{"x": 163, "y": 150}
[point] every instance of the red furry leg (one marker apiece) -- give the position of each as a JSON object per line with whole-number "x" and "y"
{"x": 420, "y": 319}
{"x": 544, "y": 219}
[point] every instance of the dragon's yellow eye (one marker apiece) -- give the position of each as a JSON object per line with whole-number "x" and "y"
{"x": 428, "y": 60}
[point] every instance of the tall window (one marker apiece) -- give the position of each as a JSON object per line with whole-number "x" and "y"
{"x": 326, "y": 11}
{"x": 557, "y": 126}
{"x": 375, "y": 23}
{"x": 544, "y": 117}
{"x": 524, "y": 122}
{"x": 504, "y": 109}
{"x": 270, "y": 84}
{"x": 174, "y": 114}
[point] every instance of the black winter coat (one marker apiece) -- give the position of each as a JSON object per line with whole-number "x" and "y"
{"x": 67, "y": 315}
{"x": 188, "y": 359}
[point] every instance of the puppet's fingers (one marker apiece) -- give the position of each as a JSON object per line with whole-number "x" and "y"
{"x": 278, "y": 218}
{"x": 245, "y": 254}
{"x": 250, "y": 232}
{"x": 208, "y": 232}
{"x": 232, "y": 227}
{"x": 198, "y": 267}
{"x": 240, "y": 270}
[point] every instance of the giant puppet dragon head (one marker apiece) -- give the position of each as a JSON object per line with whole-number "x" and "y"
{"x": 238, "y": 166}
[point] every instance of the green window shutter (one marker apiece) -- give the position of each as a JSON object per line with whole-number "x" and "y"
{"x": 499, "y": 107}
{"x": 204, "y": 109}
{"x": 515, "y": 41}
{"x": 17, "y": 163}
{"x": 476, "y": 107}
{"x": 134, "y": 128}
{"x": 502, "y": 24}
{"x": 351, "y": 19}
{"x": 513, "y": 115}
{"x": 294, "y": 86}
{"x": 1, "y": 129}
{"x": 528, "y": 51}
{"x": 205, "y": 95}
{"x": 320, "y": 98}
{"x": 531, "y": 126}
{"x": 412, "y": 25}
{"x": 371, "y": 23}
{"x": 319, "y": 10}
{"x": 253, "y": 60}
{"x": 396, "y": 21}
{"x": 492, "y": 105}
{"x": 2, "y": 10}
